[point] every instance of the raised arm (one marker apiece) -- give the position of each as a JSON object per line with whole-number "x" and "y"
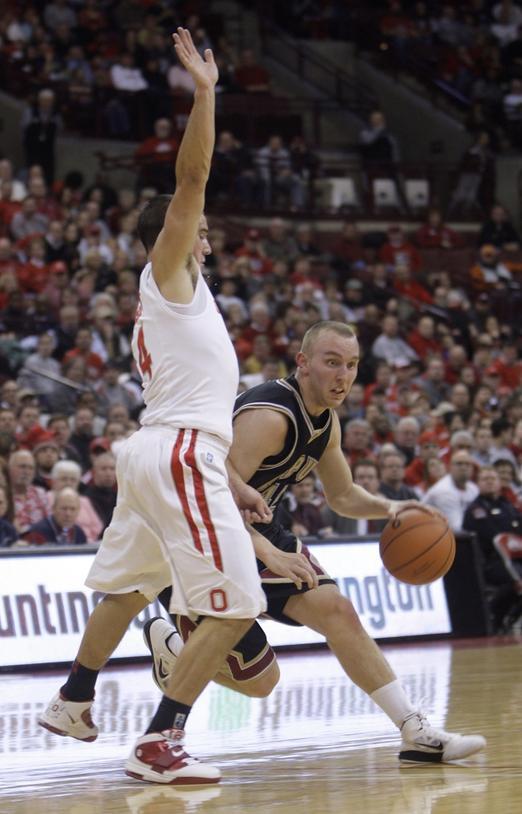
{"x": 172, "y": 253}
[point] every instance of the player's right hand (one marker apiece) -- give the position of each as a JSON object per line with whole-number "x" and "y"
{"x": 203, "y": 71}
{"x": 292, "y": 566}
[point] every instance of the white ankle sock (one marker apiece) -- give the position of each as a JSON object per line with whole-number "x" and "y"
{"x": 394, "y": 702}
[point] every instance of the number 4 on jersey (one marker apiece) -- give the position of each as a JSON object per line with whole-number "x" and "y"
{"x": 144, "y": 357}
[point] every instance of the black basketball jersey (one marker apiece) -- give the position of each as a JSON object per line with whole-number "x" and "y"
{"x": 305, "y": 442}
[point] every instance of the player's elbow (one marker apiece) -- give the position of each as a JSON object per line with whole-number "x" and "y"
{"x": 192, "y": 178}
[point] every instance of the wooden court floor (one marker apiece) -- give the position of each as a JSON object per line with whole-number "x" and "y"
{"x": 317, "y": 745}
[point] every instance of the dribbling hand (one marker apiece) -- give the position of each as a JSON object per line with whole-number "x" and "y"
{"x": 203, "y": 71}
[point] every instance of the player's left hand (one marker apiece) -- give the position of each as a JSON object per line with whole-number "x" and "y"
{"x": 253, "y": 507}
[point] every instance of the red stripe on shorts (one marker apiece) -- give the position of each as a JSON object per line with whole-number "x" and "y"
{"x": 201, "y": 500}
{"x": 176, "y": 468}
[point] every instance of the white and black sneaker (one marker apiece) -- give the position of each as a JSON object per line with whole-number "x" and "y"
{"x": 165, "y": 644}
{"x": 422, "y": 743}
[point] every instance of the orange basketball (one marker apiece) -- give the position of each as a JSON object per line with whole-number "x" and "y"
{"x": 417, "y": 547}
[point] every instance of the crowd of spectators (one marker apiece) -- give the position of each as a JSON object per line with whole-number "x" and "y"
{"x": 436, "y": 411}
{"x": 438, "y": 397}
{"x": 470, "y": 50}
{"x": 109, "y": 68}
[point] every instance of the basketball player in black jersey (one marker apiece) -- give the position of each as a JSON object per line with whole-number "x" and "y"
{"x": 282, "y": 430}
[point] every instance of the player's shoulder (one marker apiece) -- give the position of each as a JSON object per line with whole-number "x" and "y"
{"x": 271, "y": 393}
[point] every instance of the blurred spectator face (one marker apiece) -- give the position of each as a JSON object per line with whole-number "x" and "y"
{"x": 275, "y": 143}
{"x": 37, "y": 187}
{"x": 162, "y": 128}
{"x": 83, "y": 421}
{"x": 56, "y": 231}
{"x": 260, "y": 316}
{"x": 435, "y": 370}
{"x": 435, "y": 469}
{"x": 426, "y": 327}
{"x": 29, "y": 416}
{"x": 66, "y": 508}
{"x": 498, "y": 214}
{"x": 104, "y": 471}
{"x": 488, "y": 482}
{"x": 377, "y": 120}
{"x": 428, "y": 449}
{"x": 7, "y": 421}
{"x": 6, "y": 250}
{"x": 4, "y": 505}
{"x": 304, "y": 490}
{"x": 45, "y": 345}
{"x": 460, "y": 396}
{"x": 60, "y": 429}
{"x": 392, "y": 469}
{"x": 126, "y": 199}
{"x": 457, "y": 357}
{"x": 10, "y": 393}
{"x": 37, "y": 250}
{"x": 110, "y": 375}
{"x": 69, "y": 318}
{"x": 407, "y": 433}
{"x": 46, "y": 457}
{"x": 434, "y": 218}
{"x": 21, "y": 469}
{"x": 483, "y": 439}
{"x": 277, "y": 227}
{"x": 356, "y": 394}
{"x": 482, "y": 397}
{"x": 71, "y": 233}
{"x": 84, "y": 339}
{"x": 46, "y": 100}
{"x": 461, "y": 468}
{"x": 367, "y": 477}
{"x": 119, "y": 413}
{"x": 114, "y": 431}
{"x": 468, "y": 376}
{"x": 226, "y": 141}
{"x": 76, "y": 370}
{"x": 390, "y": 326}
{"x": 505, "y": 472}
{"x": 421, "y": 405}
{"x": 28, "y": 206}
{"x": 67, "y": 476}
{"x": 383, "y": 375}
{"x": 356, "y": 436}
{"x": 261, "y": 347}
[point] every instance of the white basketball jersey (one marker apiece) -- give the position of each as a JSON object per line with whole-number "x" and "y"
{"x": 186, "y": 359}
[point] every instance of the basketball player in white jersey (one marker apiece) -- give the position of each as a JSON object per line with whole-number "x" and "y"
{"x": 175, "y": 521}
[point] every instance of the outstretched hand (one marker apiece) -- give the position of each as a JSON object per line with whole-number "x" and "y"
{"x": 203, "y": 71}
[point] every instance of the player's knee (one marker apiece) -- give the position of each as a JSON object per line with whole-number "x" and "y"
{"x": 341, "y": 612}
{"x": 262, "y": 685}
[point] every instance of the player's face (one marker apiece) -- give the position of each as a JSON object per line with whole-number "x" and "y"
{"x": 202, "y": 246}
{"x": 328, "y": 371}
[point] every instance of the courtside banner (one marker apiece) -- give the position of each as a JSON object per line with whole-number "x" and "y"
{"x": 44, "y": 604}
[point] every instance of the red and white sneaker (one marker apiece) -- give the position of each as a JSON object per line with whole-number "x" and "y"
{"x": 159, "y": 757}
{"x": 69, "y": 718}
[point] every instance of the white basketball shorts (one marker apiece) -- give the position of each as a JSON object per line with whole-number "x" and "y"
{"x": 176, "y": 523}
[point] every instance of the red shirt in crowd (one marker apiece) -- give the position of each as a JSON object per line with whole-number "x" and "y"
{"x": 93, "y": 362}
{"x": 158, "y": 150}
{"x": 436, "y": 237}
{"x": 401, "y": 253}
{"x": 424, "y": 347}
